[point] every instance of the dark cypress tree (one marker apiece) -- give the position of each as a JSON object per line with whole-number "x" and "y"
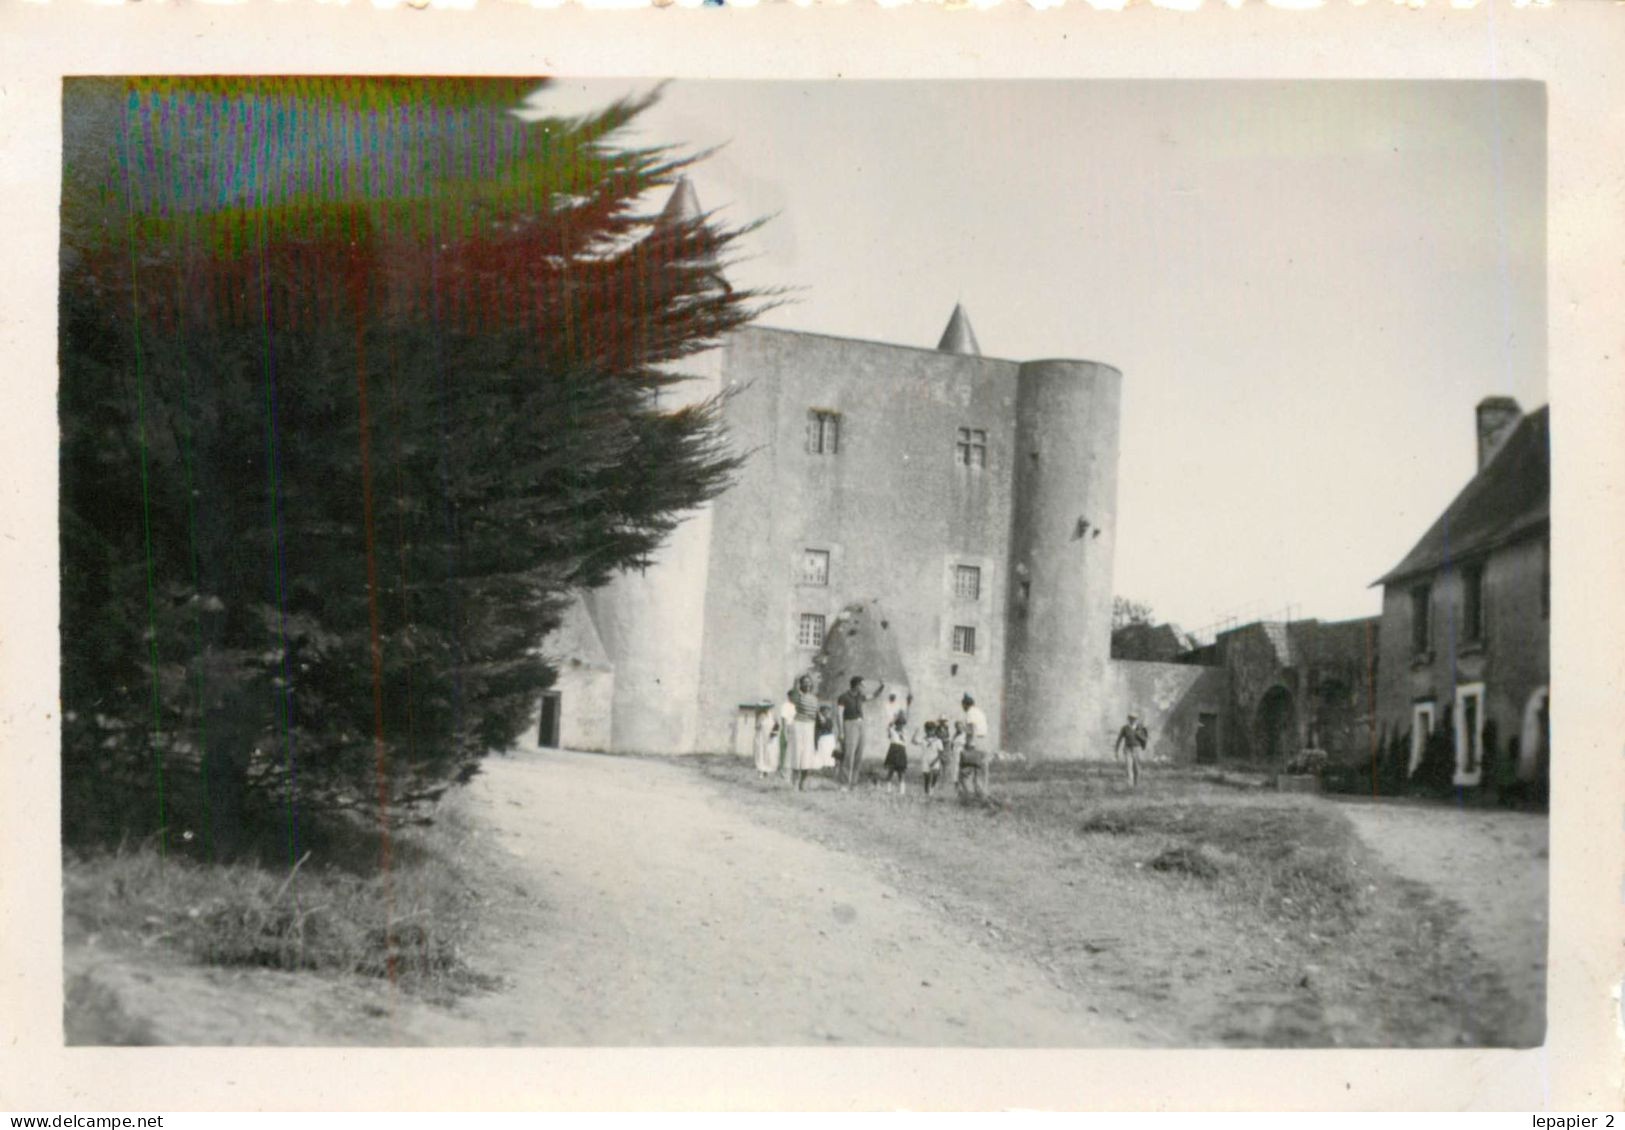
{"x": 359, "y": 380}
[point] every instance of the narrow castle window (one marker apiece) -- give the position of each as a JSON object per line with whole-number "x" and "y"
{"x": 810, "y": 633}
{"x": 964, "y": 640}
{"x": 815, "y": 567}
{"x": 968, "y": 582}
{"x": 823, "y": 432}
{"x": 971, "y": 448}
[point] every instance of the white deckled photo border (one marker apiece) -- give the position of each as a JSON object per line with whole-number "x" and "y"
{"x": 1573, "y": 47}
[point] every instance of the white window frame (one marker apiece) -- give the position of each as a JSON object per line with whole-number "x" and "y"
{"x": 1465, "y": 776}
{"x": 974, "y": 573}
{"x": 1532, "y": 738}
{"x": 1423, "y": 716}
{"x": 806, "y": 577}
{"x": 811, "y": 619}
{"x": 969, "y": 636}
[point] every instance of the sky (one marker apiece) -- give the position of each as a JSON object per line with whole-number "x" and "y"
{"x": 1307, "y": 286}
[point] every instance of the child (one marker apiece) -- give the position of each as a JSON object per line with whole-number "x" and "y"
{"x": 896, "y": 755}
{"x": 933, "y": 757}
{"x": 824, "y": 737}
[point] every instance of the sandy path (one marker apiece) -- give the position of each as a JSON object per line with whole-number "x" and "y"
{"x": 1493, "y": 867}
{"x": 657, "y": 912}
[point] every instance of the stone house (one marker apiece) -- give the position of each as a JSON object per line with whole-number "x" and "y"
{"x": 1465, "y": 654}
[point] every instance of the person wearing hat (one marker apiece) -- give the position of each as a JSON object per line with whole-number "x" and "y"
{"x": 976, "y": 753}
{"x": 1131, "y": 739}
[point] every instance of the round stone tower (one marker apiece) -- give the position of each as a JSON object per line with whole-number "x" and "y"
{"x": 1062, "y": 535}
{"x": 652, "y": 620}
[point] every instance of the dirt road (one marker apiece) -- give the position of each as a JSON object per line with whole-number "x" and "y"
{"x": 1492, "y": 867}
{"x": 653, "y": 902}
{"x": 661, "y": 914}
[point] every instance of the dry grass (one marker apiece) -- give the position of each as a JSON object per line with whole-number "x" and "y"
{"x": 409, "y": 924}
{"x": 1289, "y": 858}
{"x": 1292, "y": 858}
{"x": 1204, "y": 910}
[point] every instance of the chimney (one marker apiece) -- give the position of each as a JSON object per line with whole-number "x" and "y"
{"x": 1497, "y": 416}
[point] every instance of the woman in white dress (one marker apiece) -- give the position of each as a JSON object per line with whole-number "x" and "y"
{"x": 765, "y": 744}
{"x": 783, "y": 722}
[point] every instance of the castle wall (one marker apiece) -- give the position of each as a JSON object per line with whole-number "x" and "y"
{"x": 584, "y": 682}
{"x": 586, "y": 706}
{"x": 1062, "y": 539}
{"x": 892, "y": 507}
{"x": 1170, "y": 698}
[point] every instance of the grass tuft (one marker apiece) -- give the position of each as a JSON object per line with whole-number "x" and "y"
{"x": 1194, "y": 861}
{"x": 409, "y": 925}
{"x": 1299, "y": 859}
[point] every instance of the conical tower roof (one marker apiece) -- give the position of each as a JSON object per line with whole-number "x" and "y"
{"x": 959, "y": 337}
{"x": 683, "y": 206}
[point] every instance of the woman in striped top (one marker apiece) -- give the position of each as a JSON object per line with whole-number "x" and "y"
{"x": 802, "y": 752}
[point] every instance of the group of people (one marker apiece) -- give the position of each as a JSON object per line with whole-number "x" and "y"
{"x": 805, "y": 735}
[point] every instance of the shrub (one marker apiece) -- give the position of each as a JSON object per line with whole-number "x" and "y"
{"x": 1306, "y": 762}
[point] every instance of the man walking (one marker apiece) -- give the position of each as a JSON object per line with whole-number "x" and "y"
{"x": 1131, "y": 739}
{"x": 851, "y": 714}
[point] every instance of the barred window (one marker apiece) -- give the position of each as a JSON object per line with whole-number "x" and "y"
{"x": 823, "y": 432}
{"x": 967, "y": 582}
{"x": 971, "y": 447}
{"x": 815, "y": 566}
{"x": 811, "y": 631}
{"x": 964, "y": 640}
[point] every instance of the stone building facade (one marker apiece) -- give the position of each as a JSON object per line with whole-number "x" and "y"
{"x": 1465, "y": 656}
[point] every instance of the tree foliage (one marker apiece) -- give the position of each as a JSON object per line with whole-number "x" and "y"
{"x": 359, "y": 379}
{"x": 1126, "y": 613}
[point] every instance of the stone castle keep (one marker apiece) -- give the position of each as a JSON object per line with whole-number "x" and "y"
{"x": 963, "y": 506}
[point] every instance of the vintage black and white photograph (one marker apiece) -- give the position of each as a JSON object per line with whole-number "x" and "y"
{"x": 700, "y": 563}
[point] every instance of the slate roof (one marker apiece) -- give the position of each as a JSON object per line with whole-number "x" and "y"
{"x": 958, "y": 337}
{"x": 1509, "y": 498}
